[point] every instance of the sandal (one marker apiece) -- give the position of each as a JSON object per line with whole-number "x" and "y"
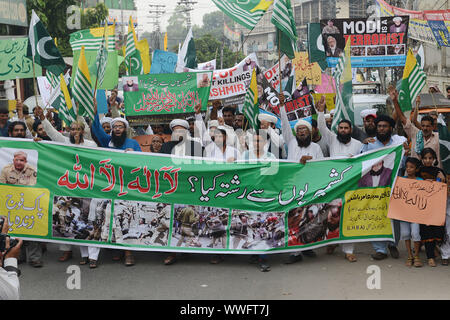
{"x": 350, "y": 257}
{"x": 170, "y": 260}
{"x": 431, "y": 262}
{"x": 129, "y": 260}
{"x": 417, "y": 262}
{"x": 66, "y": 256}
{"x": 92, "y": 263}
{"x": 410, "y": 262}
{"x": 84, "y": 260}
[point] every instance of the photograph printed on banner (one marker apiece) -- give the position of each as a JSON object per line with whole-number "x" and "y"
{"x": 256, "y": 230}
{"x": 18, "y": 166}
{"x": 81, "y": 218}
{"x": 314, "y": 223}
{"x": 199, "y": 227}
{"x": 142, "y": 223}
{"x": 130, "y": 84}
{"x": 377, "y": 172}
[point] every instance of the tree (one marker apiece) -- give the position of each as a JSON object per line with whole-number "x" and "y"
{"x": 56, "y": 23}
{"x": 176, "y": 29}
{"x": 208, "y": 48}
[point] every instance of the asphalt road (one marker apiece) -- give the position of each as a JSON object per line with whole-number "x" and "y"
{"x": 194, "y": 278}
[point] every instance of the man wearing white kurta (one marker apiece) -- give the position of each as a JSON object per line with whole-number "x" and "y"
{"x": 340, "y": 145}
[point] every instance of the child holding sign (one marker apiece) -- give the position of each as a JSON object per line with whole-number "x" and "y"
{"x": 410, "y": 230}
{"x": 431, "y": 235}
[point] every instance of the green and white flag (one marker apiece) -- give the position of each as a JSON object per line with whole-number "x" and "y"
{"x": 133, "y": 59}
{"x": 187, "y": 57}
{"x": 82, "y": 88}
{"x": 102, "y": 58}
{"x": 246, "y": 13}
{"x": 42, "y": 48}
{"x": 251, "y": 108}
{"x": 413, "y": 80}
{"x": 344, "y": 98}
{"x": 316, "y": 50}
{"x": 283, "y": 19}
{"x": 65, "y": 108}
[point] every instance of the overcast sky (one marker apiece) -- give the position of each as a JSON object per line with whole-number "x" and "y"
{"x": 202, "y": 7}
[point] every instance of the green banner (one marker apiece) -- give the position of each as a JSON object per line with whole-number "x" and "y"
{"x": 151, "y": 202}
{"x": 171, "y": 93}
{"x": 13, "y": 61}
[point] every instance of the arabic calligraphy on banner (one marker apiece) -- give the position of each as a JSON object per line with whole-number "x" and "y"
{"x": 13, "y": 63}
{"x": 146, "y": 196}
{"x": 156, "y": 94}
{"x": 304, "y": 69}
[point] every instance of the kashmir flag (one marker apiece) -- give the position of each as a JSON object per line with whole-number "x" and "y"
{"x": 316, "y": 50}
{"x": 42, "y": 48}
{"x": 102, "y": 58}
{"x": 283, "y": 19}
{"x": 92, "y": 40}
{"x": 65, "y": 108}
{"x": 413, "y": 80}
{"x": 246, "y": 13}
{"x": 144, "y": 51}
{"x": 82, "y": 88}
{"x": 187, "y": 57}
{"x": 344, "y": 99}
{"x": 251, "y": 108}
{"x": 165, "y": 42}
{"x": 133, "y": 59}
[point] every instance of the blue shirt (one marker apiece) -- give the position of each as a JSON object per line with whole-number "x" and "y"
{"x": 105, "y": 138}
{"x": 4, "y": 130}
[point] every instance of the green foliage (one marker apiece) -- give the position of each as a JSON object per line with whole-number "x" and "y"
{"x": 53, "y": 15}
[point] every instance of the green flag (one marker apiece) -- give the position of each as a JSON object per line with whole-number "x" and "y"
{"x": 65, "y": 108}
{"x": 316, "y": 50}
{"x": 413, "y": 80}
{"x": 187, "y": 57}
{"x": 42, "y": 48}
{"x": 283, "y": 19}
{"x": 246, "y": 13}
{"x": 102, "y": 58}
{"x": 132, "y": 55}
{"x": 82, "y": 88}
{"x": 250, "y": 108}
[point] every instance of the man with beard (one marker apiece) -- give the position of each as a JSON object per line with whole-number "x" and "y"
{"x": 40, "y": 132}
{"x": 332, "y": 49}
{"x": 76, "y": 131}
{"x": 181, "y": 143}
{"x": 370, "y": 130}
{"x": 118, "y": 138}
{"x": 384, "y": 137}
{"x": 300, "y": 147}
{"x": 340, "y": 145}
{"x": 249, "y": 64}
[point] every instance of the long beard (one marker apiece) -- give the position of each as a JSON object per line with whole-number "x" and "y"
{"x": 384, "y": 137}
{"x": 344, "y": 138}
{"x": 304, "y": 142}
{"x": 371, "y": 131}
{"x": 118, "y": 141}
{"x": 376, "y": 173}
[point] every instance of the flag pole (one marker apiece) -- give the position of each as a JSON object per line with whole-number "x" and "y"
{"x": 279, "y": 59}
{"x": 34, "y": 84}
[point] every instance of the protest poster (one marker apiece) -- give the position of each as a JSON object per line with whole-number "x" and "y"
{"x": 304, "y": 69}
{"x": 13, "y": 61}
{"x": 329, "y": 99}
{"x": 418, "y": 201}
{"x": 165, "y": 94}
{"x": 273, "y": 74}
{"x": 373, "y": 42}
{"x": 208, "y": 65}
{"x": 163, "y": 62}
{"x": 137, "y": 199}
{"x": 436, "y": 21}
{"x": 233, "y": 81}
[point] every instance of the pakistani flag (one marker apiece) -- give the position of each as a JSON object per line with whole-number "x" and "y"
{"x": 92, "y": 40}
{"x": 413, "y": 80}
{"x": 82, "y": 88}
{"x": 444, "y": 147}
{"x": 65, "y": 108}
{"x": 250, "y": 108}
{"x": 283, "y": 19}
{"x": 344, "y": 100}
{"x": 187, "y": 58}
{"x": 316, "y": 50}
{"x": 132, "y": 56}
{"x": 42, "y": 49}
{"x": 246, "y": 13}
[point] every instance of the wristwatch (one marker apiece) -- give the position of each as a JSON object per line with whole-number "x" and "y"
{"x": 11, "y": 268}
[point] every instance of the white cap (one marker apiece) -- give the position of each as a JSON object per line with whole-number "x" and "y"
{"x": 105, "y": 120}
{"x": 125, "y": 122}
{"x": 327, "y": 116}
{"x": 397, "y": 19}
{"x": 369, "y": 112}
{"x": 303, "y": 123}
{"x": 178, "y": 122}
{"x": 332, "y": 112}
{"x": 267, "y": 117}
{"x": 213, "y": 123}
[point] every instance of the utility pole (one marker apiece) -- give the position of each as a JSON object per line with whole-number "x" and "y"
{"x": 188, "y": 7}
{"x": 156, "y": 12}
